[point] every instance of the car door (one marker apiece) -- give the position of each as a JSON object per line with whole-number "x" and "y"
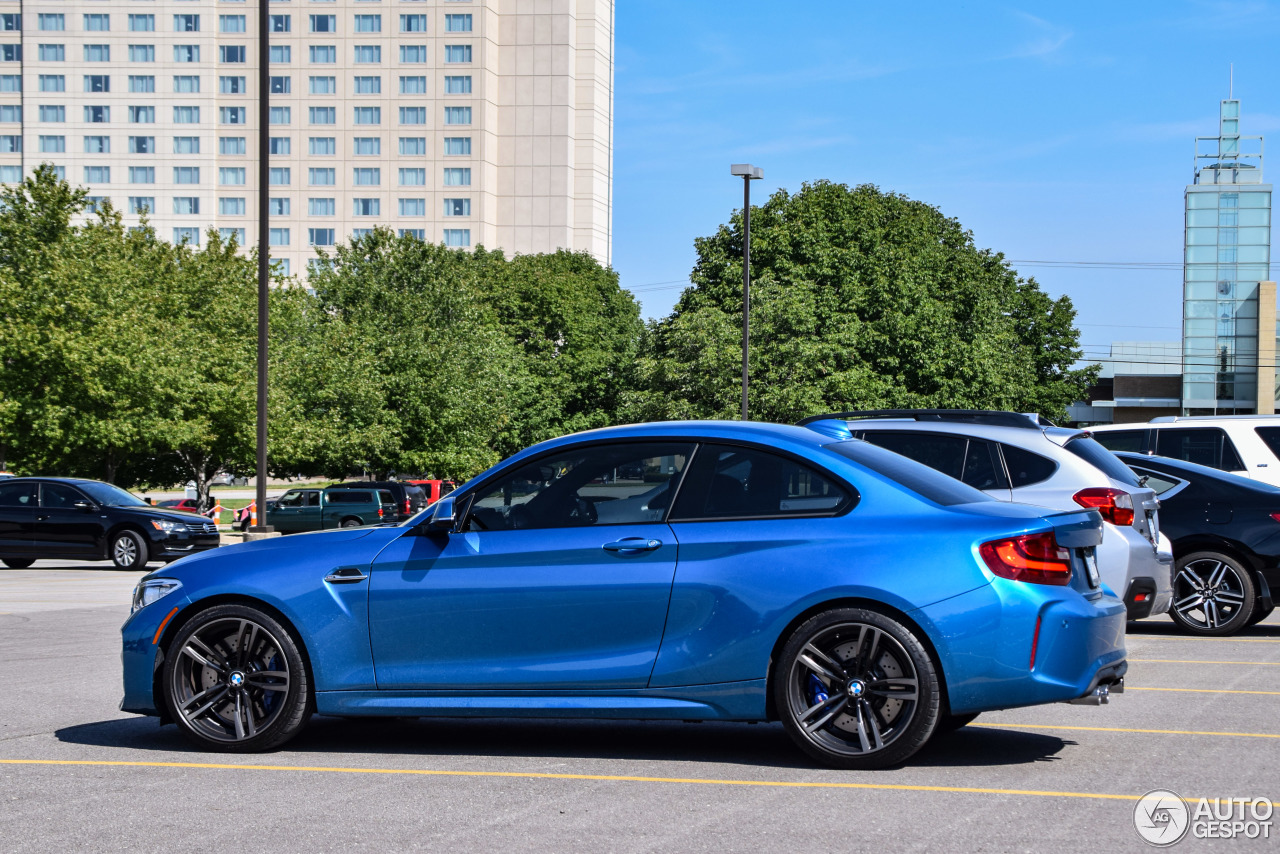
{"x": 63, "y": 528}
{"x": 286, "y": 516}
{"x": 556, "y": 578}
{"x": 972, "y": 460}
{"x": 17, "y": 517}
{"x": 308, "y": 513}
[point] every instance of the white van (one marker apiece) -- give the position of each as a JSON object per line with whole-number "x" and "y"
{"x": 1247, "y": 445}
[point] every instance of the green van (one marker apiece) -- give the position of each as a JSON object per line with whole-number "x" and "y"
{"x": 336, "y": 507}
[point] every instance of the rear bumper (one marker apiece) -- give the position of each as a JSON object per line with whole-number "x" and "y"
{"x": 1126, "y": 558}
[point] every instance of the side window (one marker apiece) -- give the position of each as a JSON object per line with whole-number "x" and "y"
{"x": 727, "y": 482}
{"x": 385, "y": 496}
{"x": 1026, "y": 468}
{"x": 350, "y": 497}
{"x": 936, "y": 450}
{"x": 1121, "y": 440}
{"x": 313, "y": 498}
{"x": 1271, "y": 436}
{"x": 292, "y": 498}
{"x": 1158, "y": 481}
{"x": 1207, "y": 446}
{"x": 18, "y": 495}
{"x": 622, "y": 484}
{"x": 981, "y": 467}
{"x": 56, "y": 495}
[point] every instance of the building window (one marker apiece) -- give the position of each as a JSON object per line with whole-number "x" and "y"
{"x": 142, "y": 23}
{"x": 92, "y": 204}
{"x": 457, "y": 176}
{"x": 357, "y": 233}
{"x": 190, "y": 115}
{"x": 413, "y": 115}
{"x": 10, "y": 144}
{"x": 186, "y": 53}
{"x": 324, "y": 54}
{"x": 186, "y": 145}
{"x": 366, "y": 207}
{"x": 231, "y": 145}
{"x": 97, "y": 83}
{"x": 368, "y": 24}
{"x": 321, "y": 207}
{"x": 231, "y": 23}
{"x": 368, "y": 115}
{"x": 142, "y": 174}
{"x": 53, "y": 144}
{"x": 323, "y": 115}
{"x": 231, "y": 115}
{"x": 278, "y": 176}
{"x": 231, "y": 175}
{"x": 322, "y": 177}
{"x": 143, "y": 83}
{"x": 60, "y": 172}
{"x": 366, "y": 176}
{"x": 457, "y": 23}
{"x": 367, "y": 146}
{"x": 413, "y": 207}
{"x": 281, "y": 54}
{"x": 278, "y": 237}
{"x": 368, "y": 53}
{"x": 420, "y": 233}
{"x": 281, "y": 23}
{"x": 186, "y": 234}
{"x": 457, "y": 145}
{"x": 457, "y": 85}
{"x": 457, "y": 53}
{"x": 233, "y": 85}
{"x": 368, "y": 85}
{"x": 413, "y": 177}
{"x": 142, "y": 145}
{"x": 413, "y": 145}
{"x": 50, "y": 52}
{"x": 48, "y": 113}
{"x": 457, "y": 115}
{"x": 186, "y": 23}
{"x": 186, "y": 83}
{"x": 186, "y": 205}
{"x": 141, "y": 204}
{"x": 97, "y": 23}
{"x": 52, "y": 22}
{"x": 13, "y": 174}
{"x": 232, "y": 53}
{"x": 12, "y": 114}
{"x": 416, "y": 85}
{"x": 324, "y": 24}
{"x": 186, "y": 174}
{"x": 413, "y": 53}
{"x": 231, "y": 206}
{"x": 97, "y": 145}
{"x": 280, "y": 115}
{"x": 457, "y": 237}
{"x": 280, "y": 145}
{"x": 97, "y": 174}
{"x": 414, "y": 23}
{"x": 322, "y": 145}
{"x": 11, "y": 82}
{"x": 324, "y": 85}
{"x": 457, "y": 207}
{"x": 53, "y": 83}
{"x": 278, "y": 207}
{"x": 142, "y": 53}
{"x": 320, "y": 236}
{"x": 232, "y": 235}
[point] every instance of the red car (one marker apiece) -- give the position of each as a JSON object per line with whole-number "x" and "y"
{"x": 435, "y": 489}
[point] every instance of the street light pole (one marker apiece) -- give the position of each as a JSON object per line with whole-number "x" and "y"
{"x": 264, "y": 257}
{"x": 748, "y": 173}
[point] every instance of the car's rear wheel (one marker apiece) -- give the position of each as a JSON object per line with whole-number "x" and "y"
{"x": 128, "y": 550}
{"x": 1212, "y": 594}
{"x": 244, "y": 525}
{"x": 235, "y": 680}
{"x": 18, "y": 563}
{"x": 856, "y": 689}
{"x": 351, "y": 522}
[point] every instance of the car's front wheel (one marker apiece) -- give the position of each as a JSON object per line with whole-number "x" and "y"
{"x": 18, "y": 563}
{"x": 235, "y": 680}
{"x": 856, "y": 689}
{"x": 1212, "y": 594}
{"x": 128, "y": 550}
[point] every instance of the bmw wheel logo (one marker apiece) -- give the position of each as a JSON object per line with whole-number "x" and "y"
{"x": 857, "y": 688}
{"x": 237, "y": 679}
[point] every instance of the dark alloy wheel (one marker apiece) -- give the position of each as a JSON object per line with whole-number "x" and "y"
{"x": 235, "y": 680}
{"x": 1212, "y": 594}
{"x": 18, "y": 563}
{"x": 856, "y": 689}
{"x": 128, "y": 550}
{"x": 351, "y": 523}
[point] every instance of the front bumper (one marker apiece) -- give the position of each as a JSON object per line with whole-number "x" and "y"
{"x": 174, "y": 546}
{"x": 141, "y": 655}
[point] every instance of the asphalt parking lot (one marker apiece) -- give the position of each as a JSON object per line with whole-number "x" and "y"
{"x": 1199, "y": 718}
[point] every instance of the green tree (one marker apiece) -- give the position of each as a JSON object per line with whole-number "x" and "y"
{"x": 860, "y": 299}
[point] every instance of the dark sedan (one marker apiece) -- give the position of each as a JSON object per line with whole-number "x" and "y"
{"x": 74, "y": 519}
{"x": 1226, "y": 542}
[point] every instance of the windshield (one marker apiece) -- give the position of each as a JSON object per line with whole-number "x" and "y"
{"x": 111, "y": 496}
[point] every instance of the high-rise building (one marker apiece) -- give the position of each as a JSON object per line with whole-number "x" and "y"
{"x": 1227, "y": 257}
{"x": 464, "y": 122}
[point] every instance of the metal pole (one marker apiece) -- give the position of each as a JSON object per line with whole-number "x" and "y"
{"x": 746, "y": 284}
{"x": 264, "y": 258}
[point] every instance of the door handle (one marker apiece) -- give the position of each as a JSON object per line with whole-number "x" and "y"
{"x": 633, "y": 544}
{"x": 345, "y": 575}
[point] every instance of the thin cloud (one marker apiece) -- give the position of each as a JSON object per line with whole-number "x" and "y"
{"x": 1049, "y": 38}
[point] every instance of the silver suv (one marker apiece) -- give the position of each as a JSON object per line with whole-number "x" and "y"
{"x": 1014, "y": 457}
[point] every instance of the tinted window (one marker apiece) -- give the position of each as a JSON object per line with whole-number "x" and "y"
{"x": 729, "y": 482}
{"x": 1121, "y": 440}
{"x": 17, "y": 495}
{"x": 1100, "y": 458}
{"x": 1026, "y": 468}
{"x": 385, "y": 496}
{"x": 58, "y": 495}
{"x": 350, "y": 497}
{"x": 1206, "y": 446}
{"x": 313, "y": 498}
{"x": 1271, "y": 436}
{"x": 1158, "y": 481}
{"x": 920, "y": 479}
{"x": 936, "y": 450}
{"x": 621, "y": 484}
{"x": 981, "y": 469}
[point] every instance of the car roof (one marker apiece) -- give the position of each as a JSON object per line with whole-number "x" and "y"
{"x": 37, "y": 477}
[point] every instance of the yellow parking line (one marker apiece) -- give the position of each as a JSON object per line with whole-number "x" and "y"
{"x": 1199, "y": 661}
{"x": 1203, "y": 690}
{"x": 1123, "y": 729}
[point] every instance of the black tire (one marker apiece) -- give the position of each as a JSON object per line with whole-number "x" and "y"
{"x": 128, "y": 550}
{"x": 350, "y": 522}
{"x": 19, "y": 562}
{"x": 951, "y": 723}
{"x": 1259, "y": 613}
{"x": 855, "y": 658}
{"x": 231, "y": 702}
{"x": 1213, "y": 594}
{"x": 244, "y": 526}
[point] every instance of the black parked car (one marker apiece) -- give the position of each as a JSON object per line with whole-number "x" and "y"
{"x": 410, "y": 498}
{"x": 1226, "y": 542}
{"x": 74, "y": 519}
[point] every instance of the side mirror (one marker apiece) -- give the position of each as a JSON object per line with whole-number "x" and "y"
{"x": 83, "y": 506}
{"x": 443, "y": 517}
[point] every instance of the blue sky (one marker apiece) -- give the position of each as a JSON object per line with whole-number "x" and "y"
{"x": 1054, "y": 132}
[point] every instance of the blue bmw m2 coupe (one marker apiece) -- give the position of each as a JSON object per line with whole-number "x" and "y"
{"x": 685, "y": 570}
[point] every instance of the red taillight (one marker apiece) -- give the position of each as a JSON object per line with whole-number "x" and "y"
{"x": 1034, "y": 558}
{"x": 379, "y": 512}
{"x": 1115, "y": 505}
{"x": 1276, "y": 516}
{"x": 406, "y": 507}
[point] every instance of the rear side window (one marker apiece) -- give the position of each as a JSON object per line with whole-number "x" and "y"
{"x": 928, "y": 483}
{"x": 1270, "y": 436}
{"x": 1100, "y": 458}
{"x": 938, "y": 451}
{"x": 1026, "y": 468}
{"x": 56, "y": 495}
{"x": 385, "y": 496}
{"x": 1158, "y": 481}
{"x": 1208, "y": 446}
{"x": 18, "y": 495}
{"x": 730, "y": 482}
{"x": 350, "y": 497}
{"x": 1121, "y": 440}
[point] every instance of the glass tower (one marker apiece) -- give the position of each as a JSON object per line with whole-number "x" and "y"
{"x": 1227, "y": 252}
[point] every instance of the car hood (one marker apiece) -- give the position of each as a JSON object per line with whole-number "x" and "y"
{"x": 160, "y": 513}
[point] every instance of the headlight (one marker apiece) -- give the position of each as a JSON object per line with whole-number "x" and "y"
{"x": 168, "y": 526}
{"x": 152, "y": 590}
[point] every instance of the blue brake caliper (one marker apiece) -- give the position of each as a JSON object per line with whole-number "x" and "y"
{"x": 817, "y": 691}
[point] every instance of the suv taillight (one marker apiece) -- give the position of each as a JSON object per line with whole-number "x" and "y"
{"x": 379, "y": 512}
{"x": 407, "y": 511}
{"x": 1034, "y": 558}
{"x": 1115, "y": 505}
